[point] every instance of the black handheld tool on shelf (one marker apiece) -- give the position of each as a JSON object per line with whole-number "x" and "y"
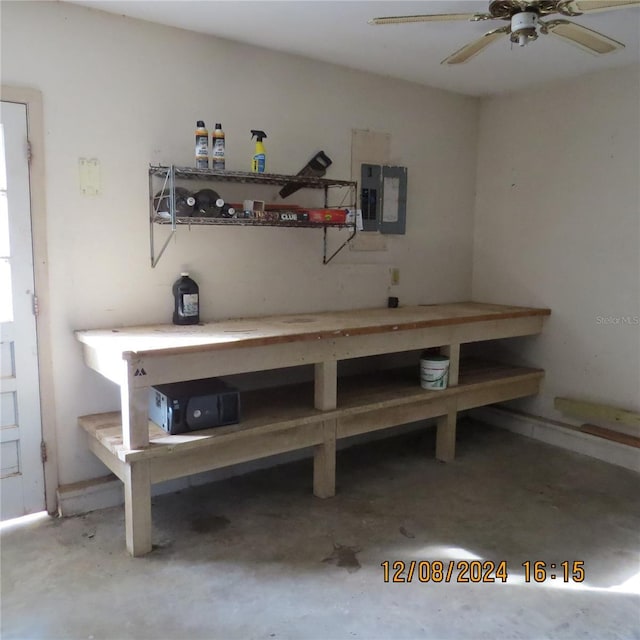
{"x": 316, "y": 167}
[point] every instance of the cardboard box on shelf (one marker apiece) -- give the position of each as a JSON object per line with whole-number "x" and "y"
{"x": 328, "y": 216}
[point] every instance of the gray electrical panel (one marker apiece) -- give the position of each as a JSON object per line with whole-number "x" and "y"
{"x": 383, "y": 198}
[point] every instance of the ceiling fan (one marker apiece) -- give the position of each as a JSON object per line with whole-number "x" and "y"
{"x": 525, "y": 22}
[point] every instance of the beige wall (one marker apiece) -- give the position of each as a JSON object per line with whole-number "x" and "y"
{"x": 129, "y": 93}
{"x": 557, "y": 224}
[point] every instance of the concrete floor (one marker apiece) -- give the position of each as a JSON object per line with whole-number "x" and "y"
{"x": 258, "y": 557}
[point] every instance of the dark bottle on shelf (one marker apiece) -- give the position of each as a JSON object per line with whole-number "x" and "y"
{"x": 206, "y": 206}
{"x": 184, "y": 203}
{"x": 186, "y": 299}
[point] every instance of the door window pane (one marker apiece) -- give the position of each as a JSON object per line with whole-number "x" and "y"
{"x": 6, "y": 300}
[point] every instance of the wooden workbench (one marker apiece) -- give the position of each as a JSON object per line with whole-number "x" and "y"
{"x": 289, "y": 418}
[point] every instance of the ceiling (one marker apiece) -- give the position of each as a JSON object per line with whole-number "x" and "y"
{"x": 337, "y": 32}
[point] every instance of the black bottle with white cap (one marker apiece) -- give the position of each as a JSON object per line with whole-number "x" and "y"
{"x": 186, "y": 298}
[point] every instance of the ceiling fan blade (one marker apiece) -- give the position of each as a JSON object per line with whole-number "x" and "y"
{"x": 591, "y": 6}
{"x": 586, "y": 39}
{"x": 435, "y": 17}
{"x": 469, "y": 50}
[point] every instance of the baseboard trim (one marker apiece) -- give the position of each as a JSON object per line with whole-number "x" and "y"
{"x": 89, "y": 495}
{"x": 559, "y": 434}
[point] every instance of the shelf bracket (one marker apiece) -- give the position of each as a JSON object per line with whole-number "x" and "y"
{"x": 154, "y": 206}
{"x": 326, "y": 260}
{"x": 156, "y": 259}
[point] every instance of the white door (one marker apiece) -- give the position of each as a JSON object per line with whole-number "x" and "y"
{"x": 22, "y": 471}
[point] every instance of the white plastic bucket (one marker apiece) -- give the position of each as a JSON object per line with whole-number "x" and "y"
{"x": 434, "y": 372}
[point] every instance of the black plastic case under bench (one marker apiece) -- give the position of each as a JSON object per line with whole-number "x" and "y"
{"x": 180, "y": 407}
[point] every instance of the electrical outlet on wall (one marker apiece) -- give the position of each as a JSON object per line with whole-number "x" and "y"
{"x": 394, "y": 273}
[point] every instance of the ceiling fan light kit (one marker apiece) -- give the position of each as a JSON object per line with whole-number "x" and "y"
{"x": 525, "y": 24}
{"x": 523, "y": 27}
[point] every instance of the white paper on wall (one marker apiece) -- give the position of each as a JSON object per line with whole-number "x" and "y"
{"x": 355, "y": 214}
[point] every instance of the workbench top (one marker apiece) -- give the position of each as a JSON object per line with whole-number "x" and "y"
{"x": 237, "y": 333}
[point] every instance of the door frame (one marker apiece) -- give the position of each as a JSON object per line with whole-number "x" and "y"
{"x": 32, "y": 98}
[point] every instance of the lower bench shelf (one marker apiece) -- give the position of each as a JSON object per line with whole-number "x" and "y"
{"x": 394, "y": 394}
{"x": 283, "y": 419}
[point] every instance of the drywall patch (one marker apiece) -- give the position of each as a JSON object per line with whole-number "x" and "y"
{"x": 368, "y": 147}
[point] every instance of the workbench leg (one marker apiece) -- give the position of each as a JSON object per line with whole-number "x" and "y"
{"x": 137, "y": 507}
{"x": 135, "y": 409}
{"x": 446, "y": 436}
{"x": 324, "y": 463}
{"x": 452, "y": 351}
{"x": 326, "y": 385}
